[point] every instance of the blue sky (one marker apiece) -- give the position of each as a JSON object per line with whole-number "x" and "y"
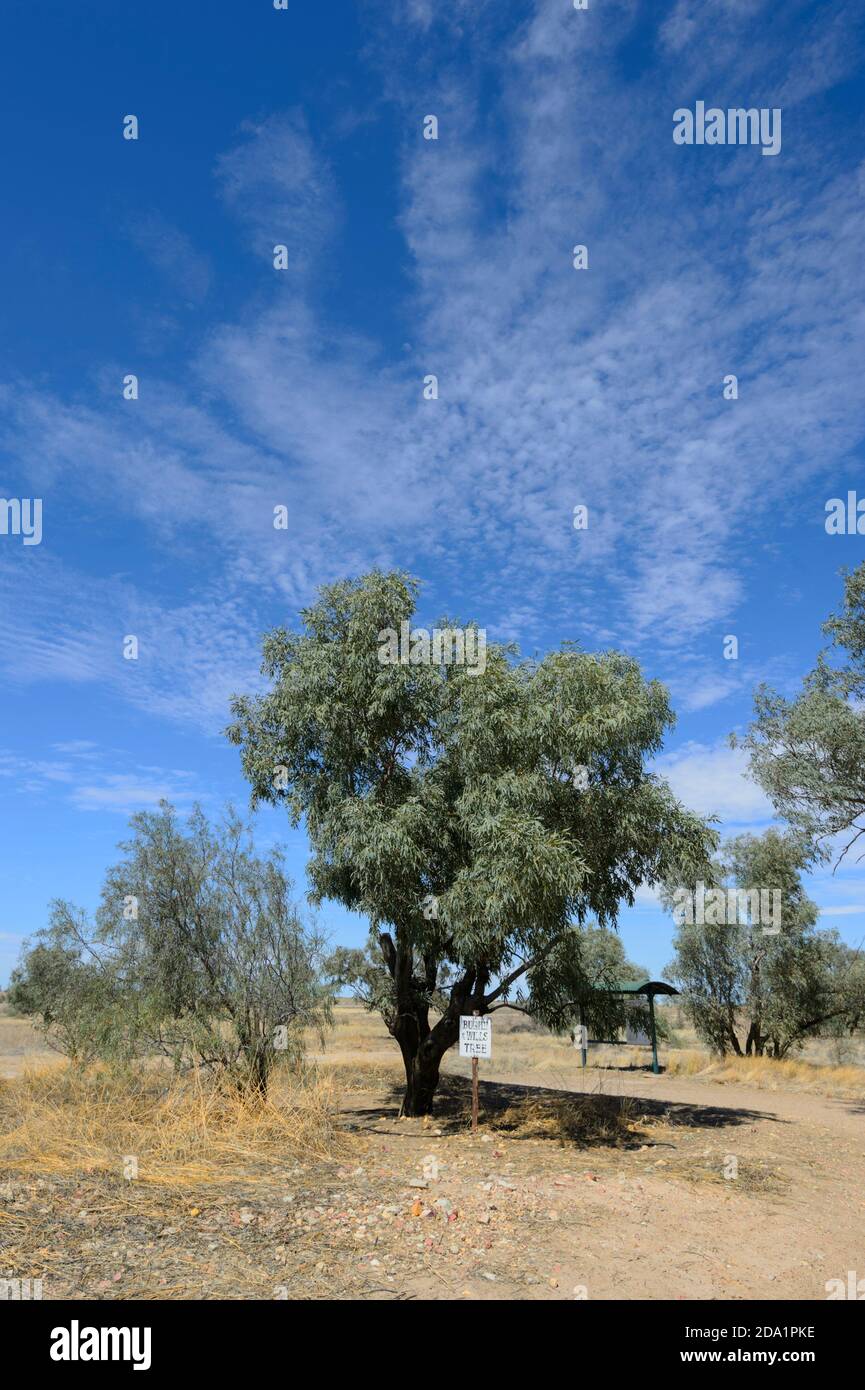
{"x": 303, "y": 387}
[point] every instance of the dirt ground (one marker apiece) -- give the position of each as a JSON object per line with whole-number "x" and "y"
{"x": 688, "y": 1190}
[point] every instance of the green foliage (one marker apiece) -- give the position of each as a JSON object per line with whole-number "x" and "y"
{"x": 808, "y": 754}
{"x": 574, "y": 981}
{"x": 69, "y": 989}
{"x": 749, "y": 990}
{"x": 197, "y": 952}
{"x": 418, "y": 781}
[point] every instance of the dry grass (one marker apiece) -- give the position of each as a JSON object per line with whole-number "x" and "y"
{"x": 359, "y": 1055}
{"x": 764, "y": 1073}
{"x": 585, "y": 1120}
{"x": 361, "y": 1075}
{"x": 62, "y": 1122}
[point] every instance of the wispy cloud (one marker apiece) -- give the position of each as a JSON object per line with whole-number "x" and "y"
{"x": 192, "y": 656}
{"x": 280, "y": 187}
{"x": 712, "y": 779}
{"x": 128, "y": 793}
{"x": 186, "y": 267}
{"x": 97, "y": 780}
{"x": 556, "y": 387}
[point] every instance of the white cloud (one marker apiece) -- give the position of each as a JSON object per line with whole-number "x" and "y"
{"x": 556, "y": 387}
{"x": 647, "y": 899}
{"x": 278, "y": 184}
{"x": 710, "y": 779}
{"x": 192, "y": 656}
{"x": 127, "y": 793}
{"x": 98, "y": 781}
{"x": 185, "y": 266}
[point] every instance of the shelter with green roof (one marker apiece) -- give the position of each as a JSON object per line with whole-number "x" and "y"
{"x": 648, "y": 988}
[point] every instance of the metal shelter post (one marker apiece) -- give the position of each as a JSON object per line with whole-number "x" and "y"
{"x": 655, "y": 1068}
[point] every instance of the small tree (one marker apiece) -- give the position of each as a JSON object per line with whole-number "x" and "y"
{"x": 66, "y": 985}
{"x": 757, "y": 987}
{"x": 577, "y": 980}
{"x": 197, "y": 947}
{"x": 478, "y": 818}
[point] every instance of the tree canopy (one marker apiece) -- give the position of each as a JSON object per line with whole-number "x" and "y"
{"x": 808, "y": 753}
{"x": 197, "y": 952}
{"x": 758, "y": 986}
{"x": 479, "y": 820}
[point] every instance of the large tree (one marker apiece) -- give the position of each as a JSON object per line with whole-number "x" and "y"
{"x": 808, "y": 753}
{"x": 479, "y": 818}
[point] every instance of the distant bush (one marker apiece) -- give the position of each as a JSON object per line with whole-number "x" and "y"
{"x": 197, "y": 952}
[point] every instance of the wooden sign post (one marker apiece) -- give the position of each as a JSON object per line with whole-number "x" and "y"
{"x": 476, "y": 1040}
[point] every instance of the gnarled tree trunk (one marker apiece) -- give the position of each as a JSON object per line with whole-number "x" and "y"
{"x": 421, "y": 1083}
{"x": 421, "y": 1045}
{"x": 422, "y": 1051}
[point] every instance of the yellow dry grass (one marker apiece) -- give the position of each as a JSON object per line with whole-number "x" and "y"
{"x": 362, "y": 1074}
{"x": 359, "y": 1053}
{"x": 63, "y": 1122}
{"x": 764, "y": 1073}
{"x": 596, "y": 1119}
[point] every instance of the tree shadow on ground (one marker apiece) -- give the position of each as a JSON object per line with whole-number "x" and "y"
{"x": 540, "y": 1112}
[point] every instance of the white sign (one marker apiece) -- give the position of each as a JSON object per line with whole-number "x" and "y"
{"x": 581, "y": 1036}
{"x": 476, "y": 1036}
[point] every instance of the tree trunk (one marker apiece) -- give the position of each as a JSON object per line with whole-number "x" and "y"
{"x": 421, "y": 1082}
{"x": 260, "y": 1073}
{"x": 421, "y": 1056}
{"x": 252, "y": 1069}
{"x": 755, "y": 1033}
{"x": 423, "y": 1047}
{"x": 756, "y": 1041}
